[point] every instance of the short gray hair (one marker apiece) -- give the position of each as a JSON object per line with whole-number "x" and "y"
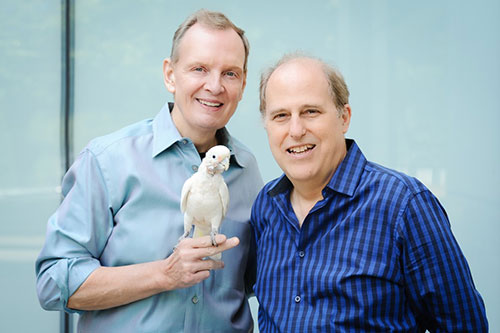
{"x": 214, "y": 20}
{"x": 338, "y": 88}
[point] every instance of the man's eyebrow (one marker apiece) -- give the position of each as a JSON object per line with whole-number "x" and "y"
{"x": 234, "y": 69}
{"x": 302, "y": 107}
{"x": 310, "y": 106}
{"x": 273, "y": 112}
{"x": 195, "y": 63}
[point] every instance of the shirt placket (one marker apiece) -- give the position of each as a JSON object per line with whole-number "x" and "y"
{"x": 306, "y": 237}
{"x": 299, "y": 296}
{"x": 194, "y": 304}
{"x": 194, "y": 296}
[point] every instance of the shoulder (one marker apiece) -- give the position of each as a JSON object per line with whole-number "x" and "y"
{"x": 415, "y": 204}
{"x": 121, "y": 138}
{"x": 263, "y": 208}
{"x": 264, "y": 195}
{"x": 392, "y": 179}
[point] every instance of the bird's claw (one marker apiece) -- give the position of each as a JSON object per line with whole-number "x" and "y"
{"x": 183, "y": 236}
{"x": 212, "y": 238}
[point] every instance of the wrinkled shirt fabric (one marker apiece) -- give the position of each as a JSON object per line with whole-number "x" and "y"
{"x": 376, "y": 254}
{"x": 121, "y": 207}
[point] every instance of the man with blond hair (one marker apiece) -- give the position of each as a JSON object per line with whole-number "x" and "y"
{"x": 344, "y": 244}
{"x": 109, "y": 252}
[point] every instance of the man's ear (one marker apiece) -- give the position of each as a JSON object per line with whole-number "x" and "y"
{"x": 346, "y": 117}
{"x": 168, "y": 75}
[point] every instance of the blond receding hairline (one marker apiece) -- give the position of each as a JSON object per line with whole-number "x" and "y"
{"x": 212, "y": 20}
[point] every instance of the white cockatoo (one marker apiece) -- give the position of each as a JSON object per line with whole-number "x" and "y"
{"x": 205, "y": 196}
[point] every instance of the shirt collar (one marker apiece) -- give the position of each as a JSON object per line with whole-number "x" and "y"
{"x": 348, "y": 174}
{"x": 165, "y": 134}
{"x": 345, "y": 179}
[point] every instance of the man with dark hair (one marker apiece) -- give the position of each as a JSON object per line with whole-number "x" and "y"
{"x": 109, "y": 252}
{"x": 344, "y": 244}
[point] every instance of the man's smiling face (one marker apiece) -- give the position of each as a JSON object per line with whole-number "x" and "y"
{"x": 304, "y": 127}
{"x": 207, "y": 81}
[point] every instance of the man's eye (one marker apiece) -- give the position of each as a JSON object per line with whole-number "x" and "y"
{"x": 231, "y": 74}
{"x": 312, "y": 111}
{"x": 279, "y": 116}
{"x": 198, "y": 69}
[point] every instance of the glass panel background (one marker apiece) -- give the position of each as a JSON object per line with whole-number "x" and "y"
{"x": 30, "y": 169}
{"x": 424, "y": 80}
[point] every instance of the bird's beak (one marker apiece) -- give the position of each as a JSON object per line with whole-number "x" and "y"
{"x": 225, "y": 163}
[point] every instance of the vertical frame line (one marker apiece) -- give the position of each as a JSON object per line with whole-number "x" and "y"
{"x": 66, "y": 119}
{"x": 67, "y": 83}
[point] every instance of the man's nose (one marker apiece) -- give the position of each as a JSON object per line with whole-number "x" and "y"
{"x": 297, "y": 127}
{"x": 214, "y": 84}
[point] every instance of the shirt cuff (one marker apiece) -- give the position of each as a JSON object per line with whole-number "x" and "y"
{"x": 77, "y": 271}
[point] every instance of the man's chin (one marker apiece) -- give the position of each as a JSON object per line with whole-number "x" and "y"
{"x": 299, "y": 174}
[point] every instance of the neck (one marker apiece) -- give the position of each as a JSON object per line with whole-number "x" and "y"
{"x": 203, "y": 139}
{"x": 307, "y": 192}
{"x": 204, "y": 144}
{"x": 312, "y": 187}
{"x": 303, "y": 200}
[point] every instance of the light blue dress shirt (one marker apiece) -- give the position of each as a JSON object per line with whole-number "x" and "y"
{"x": 121, "y": 207}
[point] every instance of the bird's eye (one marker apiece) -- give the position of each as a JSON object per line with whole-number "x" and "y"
{"x": 213, "y": 156}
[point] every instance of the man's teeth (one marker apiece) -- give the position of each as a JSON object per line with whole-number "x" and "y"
{"x": 207, "y": 103}
{"x": 300, "y": 149}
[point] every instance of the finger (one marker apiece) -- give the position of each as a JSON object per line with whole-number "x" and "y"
{"x": 186, "y": 242}
{"x": 200, "y": 276}
{"x": 209, "y": 264}
{"x": 205, "y": 241}
{"x": 228, "y": 244}
{"x": 233, "y": 241}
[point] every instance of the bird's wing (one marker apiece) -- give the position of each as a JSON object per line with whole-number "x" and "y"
{"x": 224, "y": 197}
{"x": 186, "y": 188}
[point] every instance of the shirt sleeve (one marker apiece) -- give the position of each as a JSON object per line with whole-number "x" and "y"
{"x": 437, "y": 276}
{"x": 254, "y": 186}
{"x": 251, "y": 269}
{"x": 76, "y": 234}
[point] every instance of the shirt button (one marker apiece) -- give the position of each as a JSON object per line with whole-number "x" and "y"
{"x": 184, "y": 142}
{"x": 194, "y": 299}
{"x": 301, "y": 254}
{"x": 297, "y": 299}
{"x": 195, "y": 168}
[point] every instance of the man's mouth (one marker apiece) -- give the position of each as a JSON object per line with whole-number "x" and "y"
{"x": 211, "y": 104}
{"x": 300, "y": 149}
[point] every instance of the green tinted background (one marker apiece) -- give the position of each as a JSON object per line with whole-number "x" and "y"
{"x": 424, "y": 79}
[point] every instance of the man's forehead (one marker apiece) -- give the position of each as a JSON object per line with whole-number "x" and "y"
{"x": 202, "y": 31}
{"x": 297, "y": 67}
{"x": 298, "y": 74}
{"x": 225, "y": 42}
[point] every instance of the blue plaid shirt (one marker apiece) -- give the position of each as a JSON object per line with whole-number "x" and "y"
{"x": 375, "y": 255}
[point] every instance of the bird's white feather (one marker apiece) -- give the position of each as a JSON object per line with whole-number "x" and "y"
{"x": 205, "y": 196}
